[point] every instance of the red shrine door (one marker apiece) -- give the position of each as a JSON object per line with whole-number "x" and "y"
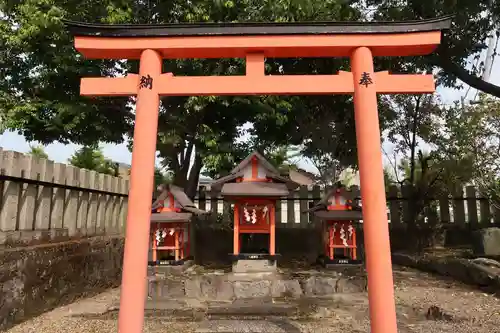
{"x": 254, "y": 216}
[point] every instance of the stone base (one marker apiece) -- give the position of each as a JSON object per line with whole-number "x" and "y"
{"x": 243, "y": 266}
{"x": 334, "y": 263}
{"x": 177, "y": 269}
{"x": 485, "y": 242}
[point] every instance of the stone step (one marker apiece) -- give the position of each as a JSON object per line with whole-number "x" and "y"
{"x": 247, "y": 326}
{"x": 252, "y": 308}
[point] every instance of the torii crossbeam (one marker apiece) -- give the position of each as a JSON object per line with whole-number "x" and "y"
{"x": 360, "y": 41}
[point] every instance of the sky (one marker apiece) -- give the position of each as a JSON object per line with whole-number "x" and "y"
{"x": 119, "y": 153}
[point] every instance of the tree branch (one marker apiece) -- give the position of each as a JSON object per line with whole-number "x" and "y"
{"x": 444, "y": 60}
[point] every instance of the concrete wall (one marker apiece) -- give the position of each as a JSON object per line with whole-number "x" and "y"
{"x": 37, "y": 278}
{"x": 53, "y": 201}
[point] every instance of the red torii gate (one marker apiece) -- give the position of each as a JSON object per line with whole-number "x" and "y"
{"x": 360, "y": 41}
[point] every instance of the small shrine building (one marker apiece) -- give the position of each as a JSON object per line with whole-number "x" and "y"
{"x": 253, "y": 186}
{"x": 171, "y": 228}
{"x": 339, "y": 212}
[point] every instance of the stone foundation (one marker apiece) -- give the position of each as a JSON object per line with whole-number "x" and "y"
{"x": 170, "y": 269}
{"x": 229, "y": 287}
{"x": 38, "y": 278}
{"x": 254, "y": 266}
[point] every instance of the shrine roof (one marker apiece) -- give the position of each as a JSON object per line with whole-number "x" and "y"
{"x": 339, "y": 215}
{"x": 320, "y": 209}
{"x": 348, "y": 194}
{"x": 256, "y": 28}
{"x": 280, "y": 186}
{"x": 180, "y": 196}
{"x": 265, "y": 163}
{"x": 170, "y": 217}
{"x": 254, "y": 189}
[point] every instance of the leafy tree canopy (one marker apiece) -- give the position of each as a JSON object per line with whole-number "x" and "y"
{"x": 92, "y": 158}
{"x": 38, "y": 151}
{"x": 41, "y": 71}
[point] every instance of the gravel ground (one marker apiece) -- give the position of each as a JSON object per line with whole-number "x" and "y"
{"x": 460, "y": 308}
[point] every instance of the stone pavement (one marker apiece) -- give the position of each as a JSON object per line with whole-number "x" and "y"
{"x": 247, "y": 326}
{"x": 464, "y": 310}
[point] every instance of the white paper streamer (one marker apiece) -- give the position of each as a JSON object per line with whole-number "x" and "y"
{"x": 343, "y": 236}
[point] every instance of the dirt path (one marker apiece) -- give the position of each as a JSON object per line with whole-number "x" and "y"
{"x": 459, "y": 309}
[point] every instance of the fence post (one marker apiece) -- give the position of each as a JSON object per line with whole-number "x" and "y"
{"x": 93, "y": 203}
{"x": 101, "y": 206}
{"x": 496, "y": 213}
{"x": 444, "y": 209}
{"x": 59, "y": 194}
{"x": 214, "y": 204}
{"x": 115, "y": 185}
{"x": 226, "y": 207}
{"x": 83, "y": 202}
{"x": 108, "y": 213}
{"x": 202, "y": 197}
{"x": 290, "y": 210}
{"x": 316, "y": 195}
{"x": 124, "y": 206}
{"x": 71, "y": 209}
{"x": 28, "y": 193}
{"x": 277, "y": 212}
{"x": 394, "y": 206}
{"x": 10, "y": 190}
{"x": 458, "y": 207}
{"x": 470, "y": 192}
{"x": 45, "y": 195}
{"x": 484, "y": 211}
{"x": 303, "y": 204}
{"x": 407, "y": 194}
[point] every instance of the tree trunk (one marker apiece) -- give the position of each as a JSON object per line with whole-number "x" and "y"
{"x": 413, "y": 142}
{"x": 182, "y": 168}
{"x": 194, "y": 176}
{"x": 180, "y": 178}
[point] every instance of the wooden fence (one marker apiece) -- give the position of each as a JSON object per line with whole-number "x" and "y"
{"x": 463, "y": 209}
{"x": 41, "y": 199}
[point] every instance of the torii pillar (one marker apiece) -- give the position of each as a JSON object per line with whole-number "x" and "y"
{"x": 371, "y": 174}
{"x": 141, "y": 187}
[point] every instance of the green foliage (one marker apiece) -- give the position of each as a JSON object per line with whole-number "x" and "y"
{"x": 473, "y": 21}
{"x": 462, "y": 144}
{"x": 38, "y": 152}
{"x": 92, "y": 158}
{"x": 41, "y": 71}
{"x": 472, "y": 139}
{"x": 162, "y": 177}
{"x": 40, "y": 75}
